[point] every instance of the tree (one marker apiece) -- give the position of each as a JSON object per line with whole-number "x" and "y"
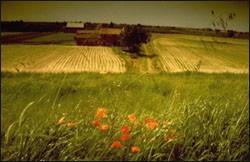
{"x": 222, "y": 20}
{"x": 231, "y": 33}
{"x": 111, "y": 24}
{"x": 133, "y": 37}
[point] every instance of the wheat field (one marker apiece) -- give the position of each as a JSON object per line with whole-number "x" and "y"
{"x": 53, "y": 58}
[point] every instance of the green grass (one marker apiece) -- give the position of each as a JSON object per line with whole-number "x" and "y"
{"x": 209, "y": 113}
{"x": 10, "y": 33}
{"x": 139, "y": 64}
{"x": 56, "y": 38}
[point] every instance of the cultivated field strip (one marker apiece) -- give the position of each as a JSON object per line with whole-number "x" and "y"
{"x": 175, "y": 53}
{"x": 176, "y": 56}
{"x": 56, "y": 59}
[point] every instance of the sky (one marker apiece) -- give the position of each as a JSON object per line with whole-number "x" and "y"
{"x": 196, "y": 14}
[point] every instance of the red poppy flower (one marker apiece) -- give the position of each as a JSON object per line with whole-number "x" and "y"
{"x": 125, "y": 129}
{"x": 135, "y": 149}
{"x": 101, "y": 113}
{"x": 116, "y": 144}
{"x": 104, "y": 127}
{"x": 132, "y": 117}
{"x": 125, "y": 137}
{"x": 96, "y": 123}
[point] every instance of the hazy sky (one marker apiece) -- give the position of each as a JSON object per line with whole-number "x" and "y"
{"x": 171, "y": 13}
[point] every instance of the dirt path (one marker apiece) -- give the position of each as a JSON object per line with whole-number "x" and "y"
{"x": 149, "y": 62}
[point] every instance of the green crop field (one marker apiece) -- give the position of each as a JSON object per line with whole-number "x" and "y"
{"x": 55, "y": 38}
{"x": 186, "y": 98}
{"x": 10, "y": 33}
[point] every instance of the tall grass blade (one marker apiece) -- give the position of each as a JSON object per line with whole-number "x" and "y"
{"x": 22, "y": 114}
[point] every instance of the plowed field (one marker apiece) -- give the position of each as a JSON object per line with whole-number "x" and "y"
{"x": 164, "y": 53}
{"x": 52, "y": 58}
{"x": 203, "y": 54}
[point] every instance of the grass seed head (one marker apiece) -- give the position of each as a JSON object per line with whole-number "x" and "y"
{"x": 72, "y": 124}
{"x": 61, "y": 121}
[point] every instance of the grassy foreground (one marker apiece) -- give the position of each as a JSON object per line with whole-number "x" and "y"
{"x": 198, "y": 116}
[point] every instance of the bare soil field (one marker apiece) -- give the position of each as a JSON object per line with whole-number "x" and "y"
{"x": 53, "y": 58}
{"x": 19, "y": 37}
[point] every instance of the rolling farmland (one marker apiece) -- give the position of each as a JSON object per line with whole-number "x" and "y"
{"x": 125, "y": 81}
{"x": 196, "y": 116}
{"x": 53, "y": 58}
{"x": 172, "y": 53}
{"x": 177, "y": 53}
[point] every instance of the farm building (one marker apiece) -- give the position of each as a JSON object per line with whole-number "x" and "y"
{"x": 72, "y": 27}
{"x": 101, "y": 36}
